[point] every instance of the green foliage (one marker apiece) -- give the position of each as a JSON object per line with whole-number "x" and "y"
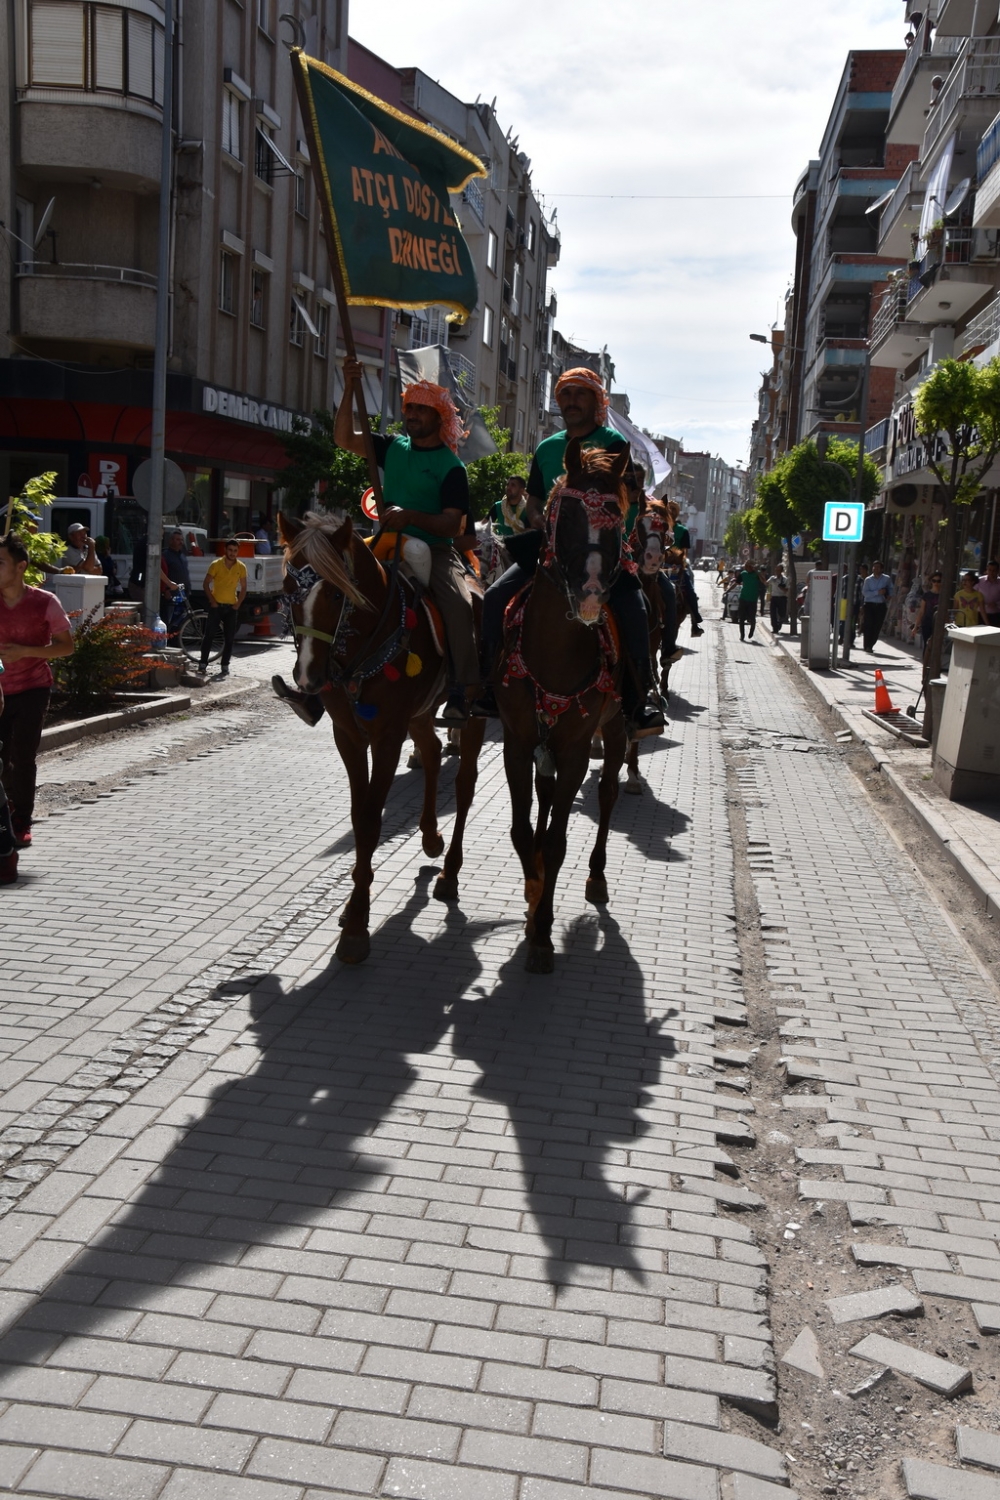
{"x": 107, "y": 659}
{"x": 736, "y": 533}
{"x": 489, "y": 475}
{"x": 315, "y": 458}
{"x": 43, "y": 546}
{"x": 957, "y": 416}
{"x": 792, "y": 495}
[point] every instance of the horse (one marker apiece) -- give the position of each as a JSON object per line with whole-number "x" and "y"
{"x": 557, "y": 679}
{"x": 650, "y": 544}
{"x": 368, "y": 649}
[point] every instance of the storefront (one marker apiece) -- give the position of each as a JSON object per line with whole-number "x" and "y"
{"x": 93, "y": 429}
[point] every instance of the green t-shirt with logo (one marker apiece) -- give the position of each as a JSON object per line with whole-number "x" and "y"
{"x": 547, "y": 464}
{"x": 430, "y": 480}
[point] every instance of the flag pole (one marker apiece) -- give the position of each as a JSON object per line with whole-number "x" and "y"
{"x": 340, "y": 291}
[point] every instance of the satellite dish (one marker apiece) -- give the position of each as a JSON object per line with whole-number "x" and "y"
{"x": 43, "y": 223}
{"x": 880, "y": 203}
{"x": 957, "y": 197}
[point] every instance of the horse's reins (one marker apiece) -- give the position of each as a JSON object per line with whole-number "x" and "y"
{"x": 599, "y": 516}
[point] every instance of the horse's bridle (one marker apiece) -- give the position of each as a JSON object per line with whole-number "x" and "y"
{"x": 599, "y": 515}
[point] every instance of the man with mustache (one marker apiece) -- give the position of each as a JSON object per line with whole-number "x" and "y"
{"x": 583, "y": 402}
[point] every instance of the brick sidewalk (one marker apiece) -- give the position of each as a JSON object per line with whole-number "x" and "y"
{"x": 428, "y": 1228}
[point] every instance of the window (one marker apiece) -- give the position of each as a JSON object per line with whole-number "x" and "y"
{"x": 301, "y": 203}
{"x": 97, "y": 48}
{"x": 491, "y": 251}
{"x": 227, "y": 282}
{"x": 519, "y": 429}
{"x": 296, "y": 326}
{"x": 263, "y": 157}
{"x": 258, "y": 297}
{"x": 322, "y": 329}
{"x": 527, "y": 299}
{"x": 264, "y": 16}
{"x": 515, "y": 294}
{"x": 531, "y": 236}
{"x": 488, "y": 327}
{"x": 524, "y": 359}
{"x": 232, "y": 123}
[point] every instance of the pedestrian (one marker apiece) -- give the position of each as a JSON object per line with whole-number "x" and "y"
{"x": 225, "y": 588}
{"x": 507, "y": 514}
{"x": 875, "y": 592}
{"x": 8, "y": 846}
{"x": 685, "y": 578}
{"x": 113, "y": 587}
{"x": 262, "y": 542}
{"x": 174, "y": 576}
{"x": 751, "y": 586}
{"x": 777, "y": 593}
{"x": 81, "y": 551}
{"x": 970, "y": 606}
{"x": 989, "y": 587}
{"x": 929, "y": 601}
{"x": 34, "y": 630}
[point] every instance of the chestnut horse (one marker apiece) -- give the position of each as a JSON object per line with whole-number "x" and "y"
{"x": 557, "y": 683}
{"x": 371, "y": 658}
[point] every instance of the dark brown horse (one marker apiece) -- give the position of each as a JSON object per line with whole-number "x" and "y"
{"x": 372, "y": 659}
{"x": 557, "y": 679}
{"x": 653, "y": 553}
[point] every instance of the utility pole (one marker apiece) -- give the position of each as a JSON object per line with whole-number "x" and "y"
{"x": 859, "y": 494}
{"x": 158, "y": 424}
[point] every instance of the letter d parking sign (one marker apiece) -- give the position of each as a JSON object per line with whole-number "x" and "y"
{"x": 843, "y": 521}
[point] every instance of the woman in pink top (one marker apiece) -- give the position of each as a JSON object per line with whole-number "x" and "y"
{"x": 989, "y": 587}
{"x": 34, "y": 630}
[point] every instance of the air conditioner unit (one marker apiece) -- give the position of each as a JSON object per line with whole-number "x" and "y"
{"x": 911, "y": 499}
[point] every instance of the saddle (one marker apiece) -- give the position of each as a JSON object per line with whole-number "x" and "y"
{"x": 414, "y": 565}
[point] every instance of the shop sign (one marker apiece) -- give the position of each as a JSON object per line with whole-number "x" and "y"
{"x": 246, "y": 409}
{"x": 105, "y": 476}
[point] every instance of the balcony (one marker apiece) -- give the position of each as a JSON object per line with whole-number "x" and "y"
{"x": 877, "y": 438}
{"x": 954, "y": 276}
{"x": 472, "y": 195}
{"x": 930, "y": 54}
{"x": 89, "y": 304}
{"x": 987, "y": 208}
{"x": 897, "y": 340}
{"x": 464, "y": 372}
{"x": 901, "y": 216}
{"x": 112, "y": 138}
{"x": 982, "y": 333}
{"x": 970, "y": 96}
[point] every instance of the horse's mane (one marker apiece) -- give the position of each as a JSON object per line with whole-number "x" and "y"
{"x": 658, "y": 508}
{"x": 593, "y": 461}
{"x": 314, "y": 545}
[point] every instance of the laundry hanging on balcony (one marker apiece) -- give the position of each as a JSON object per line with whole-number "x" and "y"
{"x": 385, "y": 180}
{"x": 935, "y": 197}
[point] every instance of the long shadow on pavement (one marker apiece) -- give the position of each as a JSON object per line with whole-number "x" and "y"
{"x": 361, "y": 1159}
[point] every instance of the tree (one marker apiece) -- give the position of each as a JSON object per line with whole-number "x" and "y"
{"x": 735, "y": 535}
{"x": 957, "y": 418}
{"x": 489, "y": 475}
{"x": 43, "y": 546}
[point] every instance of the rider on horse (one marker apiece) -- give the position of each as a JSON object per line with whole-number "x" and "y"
{"x": 583, "y": 402}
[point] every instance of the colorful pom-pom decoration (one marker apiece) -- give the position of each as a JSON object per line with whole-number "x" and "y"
{"x": 391, "y": 672}
{"x": 365, "y": 710}
{"x": 414, "y": 665}
{"x": 410, "y": 617}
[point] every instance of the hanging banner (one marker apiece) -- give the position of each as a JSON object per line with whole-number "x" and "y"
{"x": 385, "y": 180}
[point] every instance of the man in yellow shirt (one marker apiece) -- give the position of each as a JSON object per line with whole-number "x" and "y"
{"x": 226, "y": 588}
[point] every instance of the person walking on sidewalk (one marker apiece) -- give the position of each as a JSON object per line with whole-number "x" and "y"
{"x": 929, "y": 601}
{"x": 751, "y": 587}
{"x": 777, "y": 593}
{"x": 34, "y": 630}
{"x": 970, "y": 606}
{"x": 989, "y": 587}
{"x": 226, "y": 588}
{"x": 875, "y": 593}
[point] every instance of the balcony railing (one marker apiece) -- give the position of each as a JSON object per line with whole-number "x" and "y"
{"x": 876, "y": 437}
{"x": 77, "y": 271}
{"x": 975, "y": 75}
{"x": 464, "y": 371}
{"x": 941, "y": 46}
{"x": 472, "y": 194}
{"x": 983, "y": 331}
{"x": 988, "y": 151}
{"x": 907, "y": 184}
{"x": 892, "y": 310}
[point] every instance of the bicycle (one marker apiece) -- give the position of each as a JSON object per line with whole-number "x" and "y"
{"x": 190, "y": 631}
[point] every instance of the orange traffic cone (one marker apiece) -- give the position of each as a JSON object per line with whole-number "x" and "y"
{"x": 883, "y": 703}
{"x": 263, "y": 626}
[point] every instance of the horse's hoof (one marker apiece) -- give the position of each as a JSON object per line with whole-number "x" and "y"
{"x": 445, "y": 889}
{"x": 540, "y": 960}
{"x": 597, "y": 890}
{"x": 354, "y": 947}
{"x": 433, "y": 845}
{"x": 414, "y": 763}
{"x": 632, "y": 787}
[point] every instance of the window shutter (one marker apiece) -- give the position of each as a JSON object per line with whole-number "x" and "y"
{"x": 157, "y": 64}
{"x": 108, "y": 71}
{"x": 58, "y": 48}
{"x": 140, "y": 55}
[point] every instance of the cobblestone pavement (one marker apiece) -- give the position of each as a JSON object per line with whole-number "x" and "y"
{"x": 433, "y": 1227}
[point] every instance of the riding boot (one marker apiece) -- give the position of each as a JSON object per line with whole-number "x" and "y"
{"x": 668, "y": 638}
{"x": 308, "y": 706}
{"x": 637, "y": 675}
{"x": 495, "y": 602}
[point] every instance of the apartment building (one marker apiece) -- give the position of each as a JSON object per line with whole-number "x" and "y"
{"x": 251, "y": 315}
{"x": 942, "y": 223}
{"x": 709, "y": 490}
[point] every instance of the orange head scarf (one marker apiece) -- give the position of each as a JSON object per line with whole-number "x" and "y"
{"x": 426, "y": 393}
{"x": 591, "y": 382}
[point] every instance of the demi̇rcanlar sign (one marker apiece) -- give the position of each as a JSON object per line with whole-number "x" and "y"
{"x": 385, "y": 179}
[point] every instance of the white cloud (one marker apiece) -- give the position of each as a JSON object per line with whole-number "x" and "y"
{"x": 722, "y": 97}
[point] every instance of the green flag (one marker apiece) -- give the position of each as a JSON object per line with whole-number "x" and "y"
{"x": 384, "y": 179}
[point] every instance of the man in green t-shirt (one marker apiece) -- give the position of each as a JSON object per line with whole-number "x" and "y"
{"x": 507, "y": 513}
{"x": 583, "y": 402}
{"x": 751, "y": 588}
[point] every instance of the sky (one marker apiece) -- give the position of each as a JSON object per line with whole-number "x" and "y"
{"x": 669, "y": 138}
